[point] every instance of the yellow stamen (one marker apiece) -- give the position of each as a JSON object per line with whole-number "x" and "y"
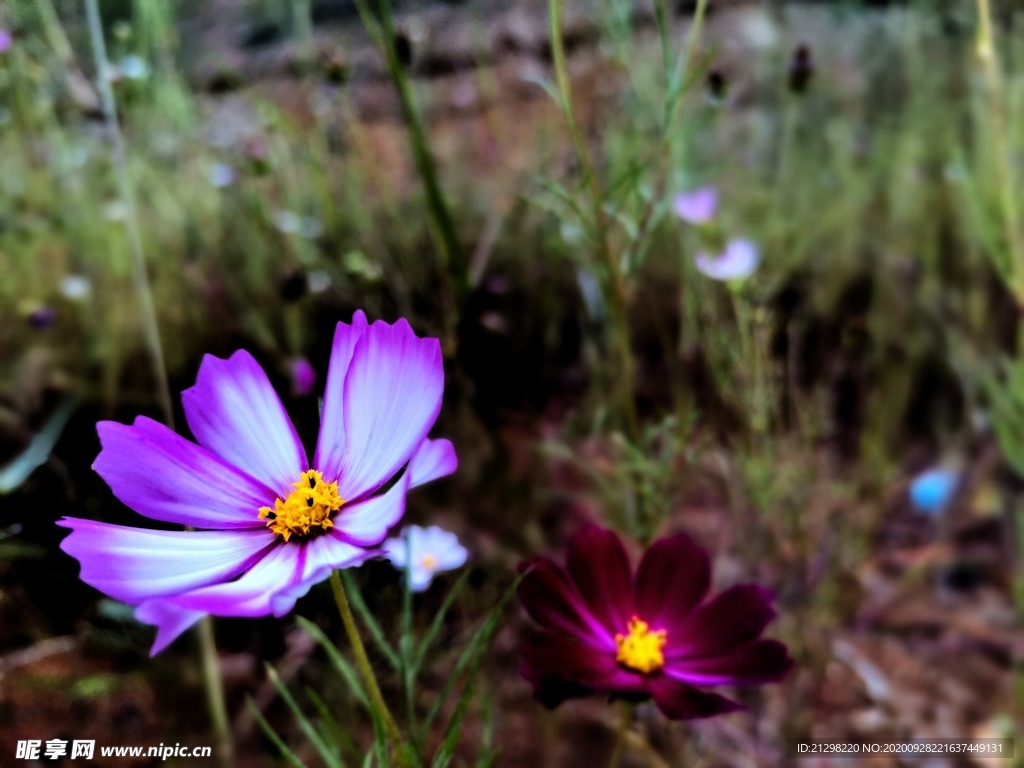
{"x": 307, "y": 508}
{"x": 428, "y": 562}
{"x": 641, "y": 648}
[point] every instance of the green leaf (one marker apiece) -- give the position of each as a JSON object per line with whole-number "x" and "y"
{"x": 435, "y": 625}
{"x": 261, "y": 721}
{"x": 38, "y": 450}
{"x": 329, "y": 756}
{"x": 332, "y": 728}
{"x": 334, "y": 655}
{"x": 470, "y": 658}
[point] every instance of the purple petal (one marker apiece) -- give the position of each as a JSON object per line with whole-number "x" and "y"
{"x": 253, "y": 593}
{"x": 165, "y": 477}
{"x": 673, "y": 577}
{"x": 330, "y": 446}
{"x": 696, "y": 207}
{"x": 739, "y": 259}
{"x": 734, "y": 618}
{"x": 170, "y": 621}
{"x": 320, "y": 556}
{"x": 134, "y": 565}
{"x": 234, "y": 411}
{"x": 679, "y": 701}
{"x": 392, "y": 397}
{"x": 599, "y": 566}
{"x": 763, "y": 661}
{"x": 549, "y": 657}
{"x": 433, "y": 459}
{"x": 555, "y": 603}
{"x": 366, "y": 523}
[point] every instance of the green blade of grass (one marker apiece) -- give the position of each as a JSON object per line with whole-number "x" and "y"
{"x": 345, "y": 669}
{"x": 332, "y": 727}
{"x": 470, "y": 658}
{"x": 261, "y": 721}
{"x": 311, "y": 733}
{"x": 435, "y": 625}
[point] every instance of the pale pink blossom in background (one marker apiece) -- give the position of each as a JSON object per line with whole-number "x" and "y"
{"x": 739, "y": 259}
{"x": 303, "y": 376}
{"x": 698, "y": 206}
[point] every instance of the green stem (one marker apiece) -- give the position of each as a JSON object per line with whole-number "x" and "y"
{"x": 142, "y": 287}
{"x": 625, "y": 718}
{"x": 147, "y": 307}
{"x": 215, "y": 692}
{"x": 616, "y": 289}
{"x": 986, "y": 50}
{"x": 365, "y": 670}
{"x": 442, "y": 223}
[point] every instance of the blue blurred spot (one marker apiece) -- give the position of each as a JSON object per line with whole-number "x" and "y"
{"x": 931, "y": 491}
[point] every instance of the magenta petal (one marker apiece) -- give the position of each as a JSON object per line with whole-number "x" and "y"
{"x": 433, "y": 459}
{"x": 735, "y": 617}
{"x": 330, "y": 446}
{"x": 235, "y": 412}
{"x": 599, "y": 566}
{"x": 551, "y": 657}
{"x": 554, "y": 603}
{"x": 679, "y": 701}
{"x": 392, "y": 398}
{"x": 134, "y": 564}
{"x": 366, "y": 523}
{"x": 165, "y": 477}
{"x": 253, "y": 593}
{"x": 673, "y": 577}
{"x": 170, "y": 621}
{"x": 320, "y": 556}
{"x": 763, "y": 661}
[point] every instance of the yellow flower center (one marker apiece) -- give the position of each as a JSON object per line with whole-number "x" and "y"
{"x": 428, "y": 562}
{"x": 306, "y": 509}
{"x": 641, "y": 648}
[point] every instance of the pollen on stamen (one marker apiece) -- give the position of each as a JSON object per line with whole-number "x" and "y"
{"x": 307, "y": 509}
{"x": 640, "y": 649}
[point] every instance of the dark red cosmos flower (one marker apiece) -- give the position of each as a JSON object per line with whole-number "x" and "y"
{"x": 606, "y": 631}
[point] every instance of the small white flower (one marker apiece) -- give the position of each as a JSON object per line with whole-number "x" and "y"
{"x": 291, "y": 223}
{"x": 132, "y": 67}
{"x": 739, "y": 260}
{"x": 75, "y": 287}
{"x": 429, "y": 550}
{"x": 115, "y": 211}
{"x": 220, "y": 174}
{"x": 318, "y": 281}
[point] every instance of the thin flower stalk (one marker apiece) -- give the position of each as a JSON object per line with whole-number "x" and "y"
{"x": 365, "y": 669}
{"x": 616, "y": 289}
{"x": 442, "y": 223}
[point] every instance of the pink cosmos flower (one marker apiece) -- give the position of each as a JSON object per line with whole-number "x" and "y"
{"x": 6, "y": 40}
{"x": 651, "y": 635}
{"x": 273, "y": 523}
{"x": 739, "y": 260}
{"x": 303, "y": 376}
{"x": 698, "y": 206}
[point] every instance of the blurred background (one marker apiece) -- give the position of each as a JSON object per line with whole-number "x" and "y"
{"x": 845, "y": 424}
